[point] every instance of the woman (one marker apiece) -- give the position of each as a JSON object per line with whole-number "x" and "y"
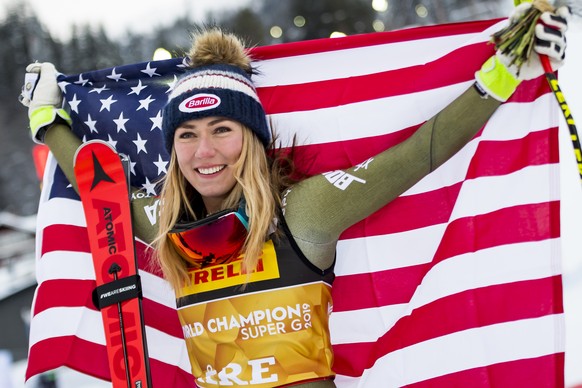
{"x": 249, "y": 253}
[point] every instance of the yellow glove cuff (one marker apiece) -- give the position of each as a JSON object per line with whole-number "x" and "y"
{"x": 496, "y": 80}
{"x": 43, "y": 117}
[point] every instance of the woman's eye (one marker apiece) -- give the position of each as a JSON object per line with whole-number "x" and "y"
{"x": 186, "y": 135}
{"x": 222, "y": 130}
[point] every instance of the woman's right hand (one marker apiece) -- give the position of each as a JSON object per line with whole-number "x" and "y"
{"x": 44, "y": 100}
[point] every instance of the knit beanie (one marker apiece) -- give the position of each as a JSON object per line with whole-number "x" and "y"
{"x": 219, "y": 84}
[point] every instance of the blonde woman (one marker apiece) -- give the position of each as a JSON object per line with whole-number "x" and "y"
{"x": 248, "y": 251}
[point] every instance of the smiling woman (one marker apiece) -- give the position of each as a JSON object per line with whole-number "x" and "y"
{"x": 207, "y": 151}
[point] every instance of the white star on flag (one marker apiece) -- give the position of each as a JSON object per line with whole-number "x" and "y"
{"x": 116, "y": 77}
{"x": 172, "y": 85}
{"x": 150, "y": 71}
{"x": 91, "y": 124}
{"x": 161, "y": 165}
{"x": 140, "y": 144}
{"x": 81, "y": 81}
{"x": 112, "y": 142}
{"x": 150, "y": 187}
{"x": 157, "y": 121}
{"x": 145, "y": 103}
{"x": 106, "y": 104}
{"x": 120, "y": 122}
{"x": 74, "y": 103}
{"x": 137, "y": 89}
{"x": 99, "y": 90}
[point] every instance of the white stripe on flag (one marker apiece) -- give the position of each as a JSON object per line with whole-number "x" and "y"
{"x": 402, "y": 253}
{"x": 66, "y": 321}
{"x": 347, "y": 122}
{"x": 168, "y": 349}
{"x": 465, "y": 350}
{"x": 487, "y": 194}
{"x": 514, "y": 120}
{"x": 58, "y": 265}
{"x": 361, "y": 60}
{"x": 52, "y": 213}
{"x": 157, "y": 289}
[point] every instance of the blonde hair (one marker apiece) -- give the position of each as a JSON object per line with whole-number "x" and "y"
{"x": 260, "y": 180}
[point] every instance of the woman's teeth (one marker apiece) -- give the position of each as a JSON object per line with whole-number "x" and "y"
{"x": 211, "y": 170}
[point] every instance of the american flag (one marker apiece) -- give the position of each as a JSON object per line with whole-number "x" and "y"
{"x": 455, "y": 283}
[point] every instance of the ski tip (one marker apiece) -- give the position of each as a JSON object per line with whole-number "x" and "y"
{"x": 90, "y": 144}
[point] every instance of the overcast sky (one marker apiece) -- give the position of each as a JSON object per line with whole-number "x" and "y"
{"x": 118, "y": 16}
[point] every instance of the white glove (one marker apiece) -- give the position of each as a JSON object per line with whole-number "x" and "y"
{"x": 519, "y": 11}
{"x": 45, "y": 102}
{"x": 549, "y": 40}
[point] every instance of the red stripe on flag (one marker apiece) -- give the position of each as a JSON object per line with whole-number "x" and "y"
{"x": 162, "y": 318}
{"x": 60, "y": 237}
{"x": 165, "y": 375}
{"x": 91, "y": 359}
{"x": 84, "y": 356}
{"x": 532, "y": 222}
{"x": 466, "y": 310}
{"x": 408, "y": 213}
{"x": 64, "y": 293}
{"x": 337, "y": 92}
{"x": 146, "y": 260}
{"x": 316, "y": 46}
{"x": 545, "y": 371}
{"x": 530, "y": 90}
{"x": 318, "y": 158}
{"x": 504, "y": 157}
{"x": 401, "y": 283}
{"x": 78, "y": 293}
{"x": 77, "y": 240}
{"x": 343, "y": 91}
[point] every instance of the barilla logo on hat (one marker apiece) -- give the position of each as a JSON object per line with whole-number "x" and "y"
{"x": 198, "y": 102}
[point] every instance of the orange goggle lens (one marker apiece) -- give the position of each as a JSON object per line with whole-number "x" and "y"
{"x": 212, "y": 240}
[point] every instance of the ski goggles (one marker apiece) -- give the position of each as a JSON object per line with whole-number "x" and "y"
{"x": 213, "y": 240}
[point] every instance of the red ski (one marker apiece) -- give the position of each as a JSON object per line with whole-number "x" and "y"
{"x": 103, "y": 187}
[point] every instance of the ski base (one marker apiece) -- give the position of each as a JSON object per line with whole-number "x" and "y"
{"x": 104, "y": 192}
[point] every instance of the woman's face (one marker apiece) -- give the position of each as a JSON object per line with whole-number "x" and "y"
{"x": 206, "y": 151}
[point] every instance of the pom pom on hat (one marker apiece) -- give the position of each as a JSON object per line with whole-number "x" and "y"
{"x": 218, "y": 85}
